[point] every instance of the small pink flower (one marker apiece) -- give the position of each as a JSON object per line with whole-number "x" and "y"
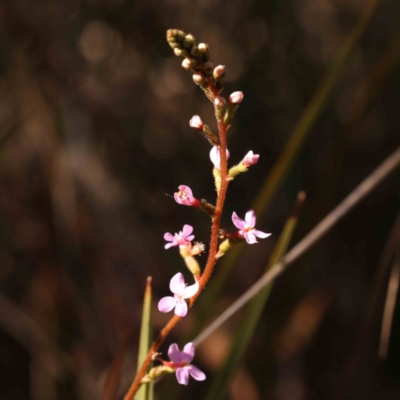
{"x": 183, "y": 238}
{"x": 250, "y": 159}
{"x": 181, "y": 292}
{"x": 185, "y": 197}
{"x": 181, "y": 360}
{"x": 246, "y": 227}
{"x": 215, "y": 157}
{"x": 196, "y": 123}
{"x": 236, "y": 97}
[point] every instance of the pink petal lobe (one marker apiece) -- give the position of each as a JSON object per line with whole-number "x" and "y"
{"x": 190, "y": 238}
{"x": 187, "y": 230}
{"x": 182, "y": 376}
{"x": 250, "y": 238}
{"x": 169, "y": 237}
{"x": 250, "y": 218}
{"x": 177, "y": 198}
{"x": 166, "y": 304}
{"x": 260, "y": 234}
{"x": 190, "y": 291}
{"x": 181, "y": 308}
{"x": 177, "y": 283}
{"x": 174, "y": 354}
{"x": 238, "y": 222}
{"x": 169, "y": 245}
{"x": 196, "y": 373}
{"x": 186, "y": 189}
{"x": 188, "y": 352}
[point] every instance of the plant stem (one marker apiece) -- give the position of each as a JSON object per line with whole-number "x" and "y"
{"x": 222, "y": 128}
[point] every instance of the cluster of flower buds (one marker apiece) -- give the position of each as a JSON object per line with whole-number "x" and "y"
{"x": 196, "y": 57}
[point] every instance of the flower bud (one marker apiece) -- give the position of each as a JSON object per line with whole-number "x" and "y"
{"x": 202, "y": 48}
{"x": 236, "y": 97}
{"x": 178, "y": 52}
{"x": 250, "y": 159}
{"x": 187, "y": 63}
{"x": 196, "y": 123}
{"x": 219, "y": 71}
{"x": 198, "y": 78}
{"x": 219, "y": 101}
{"x": 208, "y": 68}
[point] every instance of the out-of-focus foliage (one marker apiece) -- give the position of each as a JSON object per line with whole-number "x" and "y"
{"x": 94, "y": 113}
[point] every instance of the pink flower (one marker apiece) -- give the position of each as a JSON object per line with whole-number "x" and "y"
{"x": 250, "y": 159}
{"x": 181, "y": 360}
{"x": 215, "y": 157}
{"x": 236, "y": 97}
{"x": 196, "y": 123}
{"x": 181, "y": 292}
{"x": 185, "y": 197}
{"x": 246, "y": 227}
{"x": 183, "y": 238}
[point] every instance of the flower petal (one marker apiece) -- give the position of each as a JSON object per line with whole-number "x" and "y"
{"x": 169, "y": 237}
{"x": 177, "y": 283}
{"x": 260, "y": 234}
{"x": 188, "y": 352}
{"x": 181, "y": 308}
{"x": 238, "y": 222}
{"x": 196, "y": 373}
{"x": 186, "y": 189}
{"x": 182, "y": 376}
{"x": 190, "y": 238}
{"x": 177, "y": 198}
{"x": 215, "y": 158}
{"x": 250, "y": 238}
{"x": 187, "y": 230}
{"x": 168, "y": 245}
{"x": 250, "y": 218}
{"x": 174, "y": 354}
{"x": 166, "y": 304}
{"x": 190, "y": 291}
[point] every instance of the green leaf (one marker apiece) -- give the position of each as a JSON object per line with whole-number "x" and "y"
{"x": 146, "y": 391}
{"x": 253, "y": 312}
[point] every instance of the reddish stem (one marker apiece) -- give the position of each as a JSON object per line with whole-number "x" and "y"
{"x": 222, "y": 128}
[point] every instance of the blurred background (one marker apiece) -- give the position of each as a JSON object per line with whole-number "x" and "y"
{"x": 94, "y": 140}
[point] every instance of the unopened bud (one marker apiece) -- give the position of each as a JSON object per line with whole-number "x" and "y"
{"x": 236, "y": 97}
{"x": 178, "y": 52}
{"x": 194, "y": 51}
{"x": 187, "y": 63}
{"x": 196, "y": 123}
{"x": 219, "y": 71}
{"x": 208, "y": 68}
{"x": 188, "y": 42}
{"x": 219, "y": 101}
{"x": 202, "y": 48}
{"x": 198, "y": 78}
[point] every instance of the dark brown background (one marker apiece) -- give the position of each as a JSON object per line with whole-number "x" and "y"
{"x": 94, "y": 113}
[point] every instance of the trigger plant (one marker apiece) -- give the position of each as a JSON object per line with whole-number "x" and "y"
{"x": 196, "y": 58}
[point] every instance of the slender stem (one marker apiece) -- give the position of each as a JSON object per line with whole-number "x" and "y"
{"x": 222, "y": 128}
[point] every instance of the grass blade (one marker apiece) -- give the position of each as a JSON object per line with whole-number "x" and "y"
{"x": 253, "y": 312}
